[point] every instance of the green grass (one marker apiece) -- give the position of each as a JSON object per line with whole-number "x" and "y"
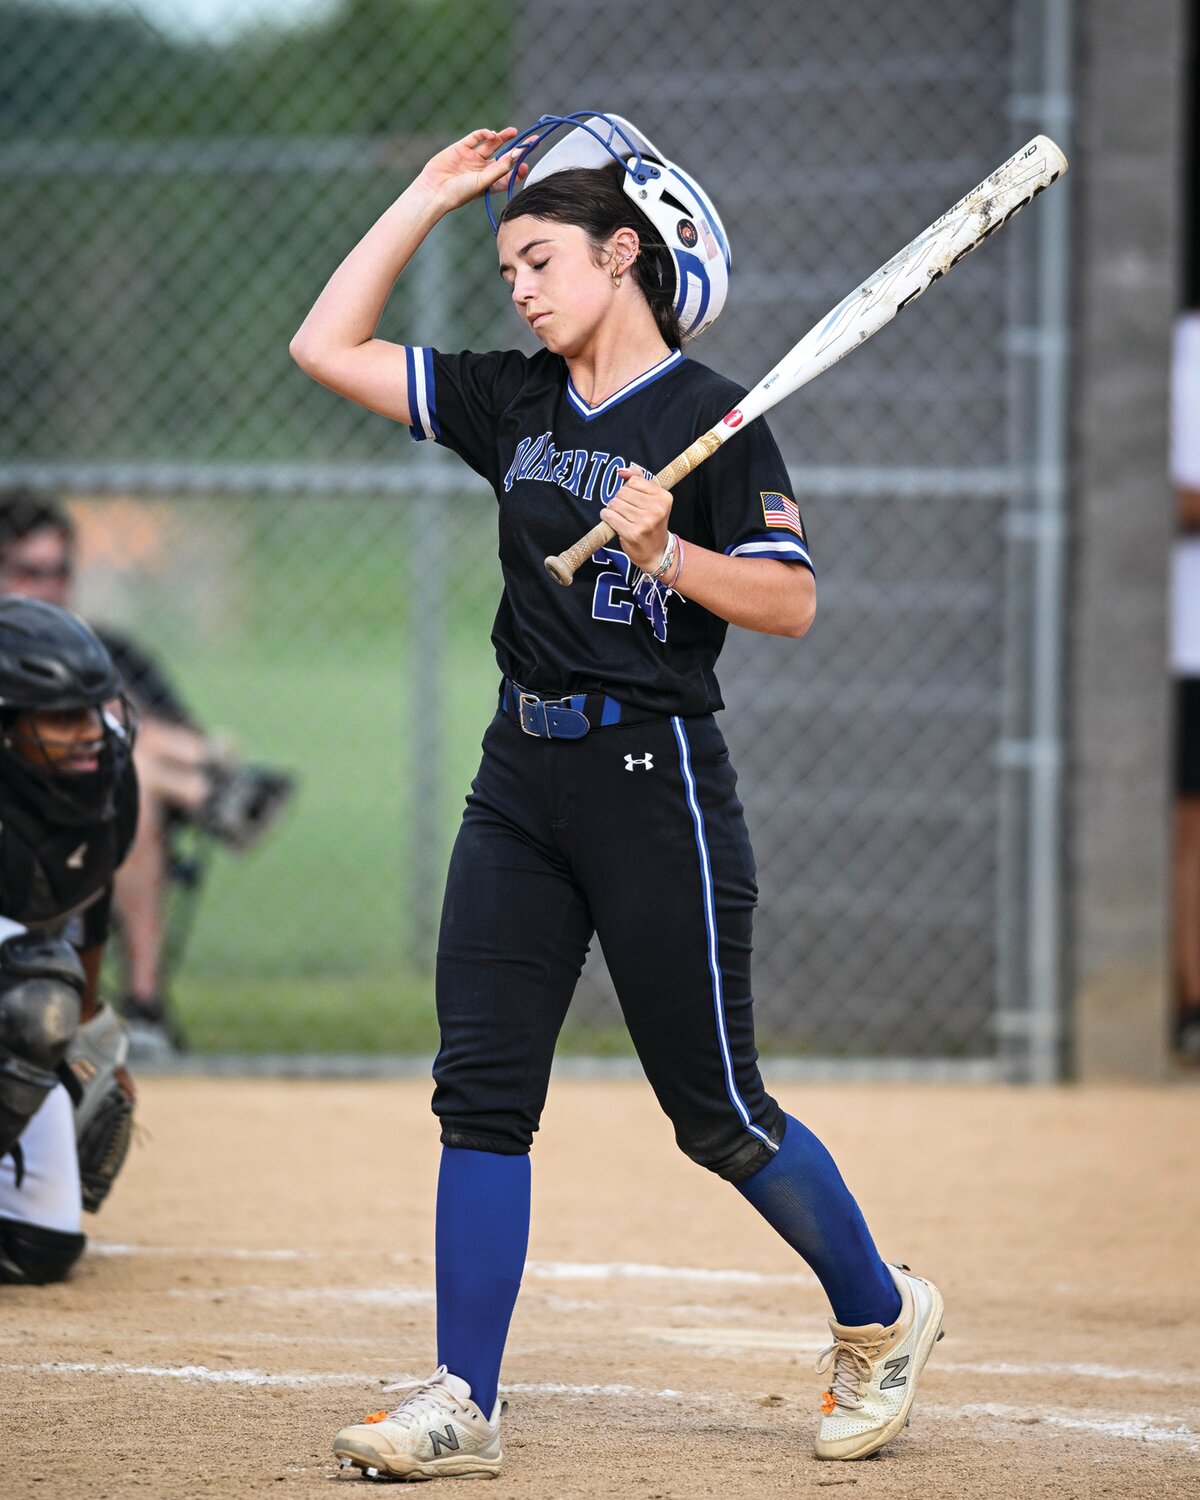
{"x": 363, "y": 1013}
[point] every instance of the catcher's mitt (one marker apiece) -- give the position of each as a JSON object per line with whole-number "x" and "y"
{"x": 103, "y": 1103}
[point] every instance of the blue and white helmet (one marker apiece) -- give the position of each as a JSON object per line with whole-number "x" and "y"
{"x": 675, "y": 203}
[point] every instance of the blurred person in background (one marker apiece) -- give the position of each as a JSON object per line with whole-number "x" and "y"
{"x": 68, "y": 810}
{"x": 1185, "y": 664}
{"x": 187, "y": 776}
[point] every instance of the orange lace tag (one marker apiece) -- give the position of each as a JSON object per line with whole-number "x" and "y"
{"x": 376, "y": 1416}
{"x": 828, "y": 1404}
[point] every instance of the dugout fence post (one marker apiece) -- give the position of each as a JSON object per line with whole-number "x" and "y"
{"x": 1128, "y": 254}
{"x": 1030, "y": 1002}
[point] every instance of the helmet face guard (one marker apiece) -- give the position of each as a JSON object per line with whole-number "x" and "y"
{"x": 65, "y": 796}
{"x": 52, "y": 662}
{"x": 675, "y": 203}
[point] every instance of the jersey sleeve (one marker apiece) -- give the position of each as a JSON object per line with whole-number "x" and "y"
{"x": 749, "y": 500}
{"x": 456, "y": 399}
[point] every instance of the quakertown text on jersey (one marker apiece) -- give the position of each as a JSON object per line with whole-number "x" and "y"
{"x": 573, "y": 469}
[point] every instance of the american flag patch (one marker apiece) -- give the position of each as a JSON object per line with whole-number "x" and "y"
{"x": 780, "y": 513}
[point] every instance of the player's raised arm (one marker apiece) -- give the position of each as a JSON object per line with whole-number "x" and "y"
{"x": 336, "y": 343}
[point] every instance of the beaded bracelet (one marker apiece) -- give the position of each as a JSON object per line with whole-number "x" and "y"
{"x": 667, "y": 559}
{"x": 674, "y": 583}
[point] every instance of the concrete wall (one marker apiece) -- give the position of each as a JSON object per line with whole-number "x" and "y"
{"x": 1128, "y": 141}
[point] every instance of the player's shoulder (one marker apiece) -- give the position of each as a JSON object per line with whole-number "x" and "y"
{"x": 496, "y": 379}
{"x": 540, "y": 369}
{"x": 704, "y": 377}
{"x": 515, "y": 365}
{"x": 707, "y": 386}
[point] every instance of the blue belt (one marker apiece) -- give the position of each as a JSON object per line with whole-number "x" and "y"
{"x": 567, "y": 718}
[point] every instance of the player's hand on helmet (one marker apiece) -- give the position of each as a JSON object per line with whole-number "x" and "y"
{"x": 469, "y": 168}
{"x": 639, "y": 513}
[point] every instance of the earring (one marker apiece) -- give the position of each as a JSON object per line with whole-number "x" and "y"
{"x": 615, "y": 273}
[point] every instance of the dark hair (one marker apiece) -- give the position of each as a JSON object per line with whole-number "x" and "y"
{"x": 24, "y": 510}
{"x": 593, "y": 199}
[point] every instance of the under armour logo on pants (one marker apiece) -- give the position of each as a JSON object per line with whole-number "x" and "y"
{"x": 647, "y": 761}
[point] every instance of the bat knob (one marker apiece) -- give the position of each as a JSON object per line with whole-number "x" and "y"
{"x": 559, "y": 571}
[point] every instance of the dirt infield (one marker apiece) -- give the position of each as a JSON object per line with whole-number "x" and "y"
{"x": 265, "y": 1264}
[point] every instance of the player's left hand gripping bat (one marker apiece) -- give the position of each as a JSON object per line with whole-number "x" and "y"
{"x": 864, "y": 312}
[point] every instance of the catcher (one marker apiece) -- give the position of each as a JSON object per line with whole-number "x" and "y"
{"x": 68, "y": 809}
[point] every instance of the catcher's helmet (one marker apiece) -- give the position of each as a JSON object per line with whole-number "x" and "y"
{"x": 674, "y": 203}
{"x": 52, "y": 662}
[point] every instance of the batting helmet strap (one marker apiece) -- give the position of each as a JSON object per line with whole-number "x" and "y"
{"x": 674, "y": 202}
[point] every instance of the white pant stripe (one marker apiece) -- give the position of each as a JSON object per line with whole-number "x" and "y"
{"x": 710, "y": 927}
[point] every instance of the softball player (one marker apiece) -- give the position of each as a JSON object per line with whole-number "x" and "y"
{"x": 68, "y": 809}
{"x": 605, "y": 802}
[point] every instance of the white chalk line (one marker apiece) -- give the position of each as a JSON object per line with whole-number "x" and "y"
{"x": 801, "y": 1340}
{"x": 561, "y": 1270}
{"x": 201, "y": 1252}
{"x": 804, "y": 1339}
{"x": 1126, "y": 1426}
{"x": 401, "y": 1296}
{"x": 1131, "y": 1426}
{"x": 190, "y": 1374}
{"x": 794, "y": 1340}
{"x": 372, "y": 1296}
{"x": 545, "y": 1270}
{"x": 204, "y": 1375}
{"x": 1079, "y": 1371}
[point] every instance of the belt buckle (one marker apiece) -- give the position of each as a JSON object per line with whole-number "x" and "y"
{"x": 531, "y": 702}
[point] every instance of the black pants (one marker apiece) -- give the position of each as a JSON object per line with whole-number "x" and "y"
{"x": 634, "y": 832}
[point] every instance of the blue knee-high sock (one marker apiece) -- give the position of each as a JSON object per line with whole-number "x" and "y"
{"x": 801, "y": 1195}
{"x": 482, "y": 1236}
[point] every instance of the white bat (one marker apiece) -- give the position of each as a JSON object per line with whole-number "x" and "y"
{"x": 863, "y": 312}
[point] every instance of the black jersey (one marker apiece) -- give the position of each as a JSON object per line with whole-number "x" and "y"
{"x": 552, "y": 461}
{"x": 53, "y": 873}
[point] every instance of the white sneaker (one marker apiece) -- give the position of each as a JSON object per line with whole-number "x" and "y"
{"x": 875, "y": 1372}
{"x": 436, "y": 1432}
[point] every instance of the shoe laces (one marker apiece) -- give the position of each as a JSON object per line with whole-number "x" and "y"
{"x": 422, "y": 1399}
{"x": 852, "y": 1365}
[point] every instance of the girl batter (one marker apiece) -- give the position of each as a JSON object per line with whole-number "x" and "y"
{"x": 605, "y": 802}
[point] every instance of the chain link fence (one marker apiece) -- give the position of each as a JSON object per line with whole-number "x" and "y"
{"x": 180, "y": 176}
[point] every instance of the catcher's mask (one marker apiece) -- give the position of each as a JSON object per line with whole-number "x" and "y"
{"x": 675, "y": 203}
{"x": 52, "y": 662}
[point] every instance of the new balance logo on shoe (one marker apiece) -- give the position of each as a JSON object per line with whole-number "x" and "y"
{"x": 895, "y": 1377}
{"x": 646, "y": 762}
{"x": 407, "y": 1443}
